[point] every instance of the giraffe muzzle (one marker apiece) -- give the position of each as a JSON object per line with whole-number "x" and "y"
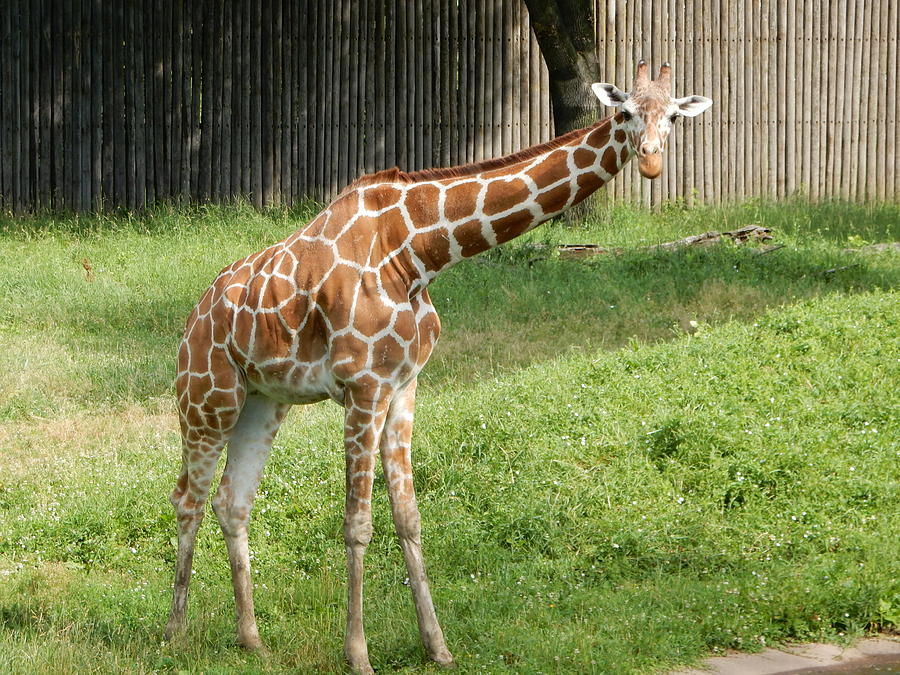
{"x": 650, "y": 166}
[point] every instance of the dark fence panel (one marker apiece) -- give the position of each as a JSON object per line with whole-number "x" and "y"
{"x": 128, "y": 103}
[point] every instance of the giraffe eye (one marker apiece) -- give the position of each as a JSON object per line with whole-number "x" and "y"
{"x": 626, "y": 115}
{"x": 674, "y": 116}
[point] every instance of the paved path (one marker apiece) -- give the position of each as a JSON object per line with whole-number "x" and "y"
{"x": 807, "y": 658}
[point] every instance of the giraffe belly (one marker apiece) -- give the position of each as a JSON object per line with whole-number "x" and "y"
{"x": 288, "y": 381}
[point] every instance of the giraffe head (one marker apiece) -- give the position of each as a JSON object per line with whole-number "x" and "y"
{"x": 648, "y": 112}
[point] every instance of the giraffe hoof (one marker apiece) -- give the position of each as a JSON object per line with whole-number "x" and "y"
{"x": 253, "y": 643}
{"x": 444, "y": 660}
{"x": 173, "y": 630}
{"x": 358, "y": 660}
{"x": 362, "y": 668}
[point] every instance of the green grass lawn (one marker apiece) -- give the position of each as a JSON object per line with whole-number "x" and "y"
{"x": 623, "y": 463}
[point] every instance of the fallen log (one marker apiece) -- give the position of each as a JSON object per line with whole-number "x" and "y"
{"x": 750, "y": 233}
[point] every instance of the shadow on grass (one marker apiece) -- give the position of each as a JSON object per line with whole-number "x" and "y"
{"x": 499, "y": 312}
{"x": 505, "y": 313}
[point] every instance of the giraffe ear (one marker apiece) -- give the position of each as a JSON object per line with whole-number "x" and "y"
{"x": 609, "y": 94}
{"x": 691, "y": 106}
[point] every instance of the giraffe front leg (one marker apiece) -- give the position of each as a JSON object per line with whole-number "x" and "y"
{"x": 397, "y": 463}
{"x": 248, "y": 450}
{"x": 364, "y": 421}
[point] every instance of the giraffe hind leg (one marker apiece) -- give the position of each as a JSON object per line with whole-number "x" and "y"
{"x": 205, "y": 428}
{"x": 248, "y": 449}
{"x": 189, "y": 500}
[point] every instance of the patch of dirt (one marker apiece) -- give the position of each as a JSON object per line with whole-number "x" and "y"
{"x": 875, "y": 655}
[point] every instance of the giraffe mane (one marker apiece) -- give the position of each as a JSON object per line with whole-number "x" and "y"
{"x": 395, "y": 175}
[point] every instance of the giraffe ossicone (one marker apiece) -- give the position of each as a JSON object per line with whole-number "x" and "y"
{"x": 340, "y": 310}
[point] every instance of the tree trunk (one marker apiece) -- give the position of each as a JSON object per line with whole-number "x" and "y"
{"x": 568, "y": 40}
{"x": 567, "y": 37}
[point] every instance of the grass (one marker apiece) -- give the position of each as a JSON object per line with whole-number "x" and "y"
{"x": 605, "y": 486}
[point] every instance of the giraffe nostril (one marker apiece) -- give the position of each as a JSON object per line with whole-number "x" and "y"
{"x": 649, "y": 148}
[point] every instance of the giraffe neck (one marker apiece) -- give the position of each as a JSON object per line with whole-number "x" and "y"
{"x": 477, "y": 212}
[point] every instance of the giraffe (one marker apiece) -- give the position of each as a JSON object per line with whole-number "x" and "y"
{"x": 340, "y": 309}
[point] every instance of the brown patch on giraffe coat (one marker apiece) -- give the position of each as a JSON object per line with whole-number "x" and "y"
{"x": 364, "y": 387}
{"x": 503, "y": 195}
{"x": 387, "y": 353}
{"x": 200, "y": 334}
{"x": 197, "y": 386}
{"x": 554, "y": 200}
{"x": 405, "y": 325}
{"x": 583, "y": 158}
{"x": 181, "y": 384}
{"x": 368, "y": 283}
{"x": 510, "y": 226}
{"x": 433, "y": 249}
{"x": 429, "y": 331}
{"x": 314, "y": 260}
{"x": 273, "y": 341}
{"x": 400, "y": 264}
{"x": 244, "y": 323}
{"x": 199, "y": 362}
{"x": 277, "y": 371}
{"x": 180, "y": 487}
{"x": 236, "y": 283}
{"x": 295, "y": 310}
{"x": 422, "y": 204}
{"x": 336, "y": 220}
{"x": 215, "y": 422}
{"x": 461, "y": 200}
{"x": 380, "y": 197}
{"x": 620, "y": 136}
{"x": 552, "y": 170}
{"x": 599, "y": 136}
{"x": 205, "y": 303}
{"x": 370, "y": 324}
{"x": 286, "y": 266}
{"x": 609, "y": 161}
{"x": 184, "y": 356}
{"x": 277, "y": 291}
{"x": 392, "y": 231}
{"x": 361, "y": 486}
{"x": 193, "y": 416}
{"x": 341, "y": 209}
{"x": 397, "y": 290}
{"x": 310, "y": 341}
{"x": 220, "y": 323}
{"x": 224, "y": 369}
{"x": 623, "y": 154}
{"x": 225, "y": 378}
{"x": 255, "y": 291}
{"x": 335, "y": 296}
{"x": 351, "y": 352}
{"x": 357, "y": 242}
{"x": 587, "y": 184}
{"x": 470, "y": 238}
